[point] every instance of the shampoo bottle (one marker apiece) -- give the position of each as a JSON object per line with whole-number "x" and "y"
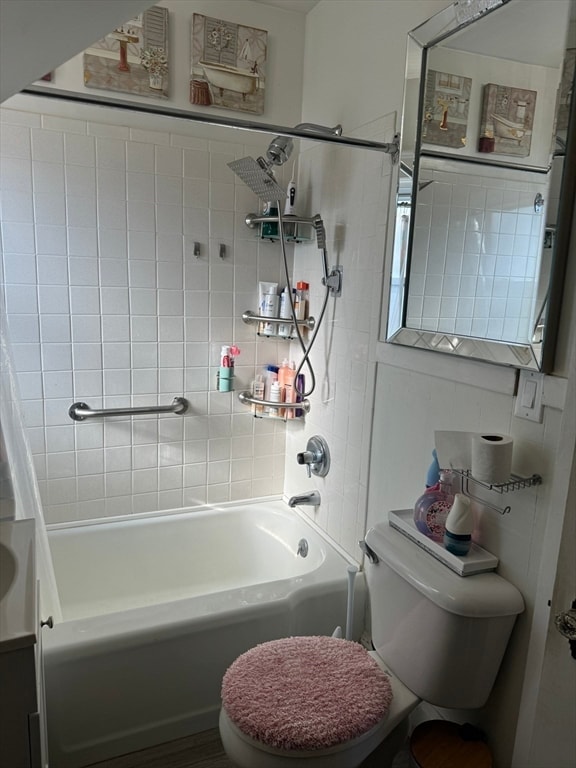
{"x": 287, "y": 379}
{"x": 285, "y": 329}
{"x": 459, "y": 526}
{"x": 258, "y": 394}
{"x": 431, "y": 509}
{"x": 290, "y": 389}
{"x": 270, "y": 309}
{"x": 300, "y": 390}
{"x": 275, "y": 397}
{"x": 270, "y": 376}
{"x": 282, "y": 378}
{"x": 301, "y": 304}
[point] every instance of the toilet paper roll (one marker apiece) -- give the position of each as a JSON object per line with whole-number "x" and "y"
{"x": 491, "y": 458}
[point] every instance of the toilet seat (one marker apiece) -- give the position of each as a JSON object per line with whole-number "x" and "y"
{"x": 249, "y": 752}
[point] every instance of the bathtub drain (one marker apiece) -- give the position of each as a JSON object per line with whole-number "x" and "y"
{"x": 302, "y": 548}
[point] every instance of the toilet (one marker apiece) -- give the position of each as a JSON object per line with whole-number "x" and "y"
{"x": 323, "y": 702}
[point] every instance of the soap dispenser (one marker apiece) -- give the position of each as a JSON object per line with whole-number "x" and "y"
{"x": 432, "y": 508}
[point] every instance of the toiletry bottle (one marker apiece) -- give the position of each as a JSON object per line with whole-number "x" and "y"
{"x": 258, "y": 394}
{"x": 297, "y": 304}
{"x": 226, "y": 372}
{"x": 270, "y": 228}
{"x": 275, "y": 397}
{"x": 270, "y": 309}
{"x": 282, "y": 376}
{"x": 285, "y": 329}
{"x": 459, "y": 526}
{"x": 300, "y": 389}
{"x": 301, "y": 306}
{"x": 270, "y": 376}
{"x": 431, "y": 509}
{"x": 290, "y": 389}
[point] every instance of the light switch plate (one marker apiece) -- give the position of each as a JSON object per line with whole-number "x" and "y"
{"x": 529, "y": 397}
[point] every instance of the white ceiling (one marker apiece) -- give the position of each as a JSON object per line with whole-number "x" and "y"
{"x": 300, "y": 6}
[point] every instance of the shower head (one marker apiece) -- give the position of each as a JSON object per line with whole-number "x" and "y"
{"x": 279, "y": 150}
{"x": 256, "y": 174}
{"x": 281, "y": 147}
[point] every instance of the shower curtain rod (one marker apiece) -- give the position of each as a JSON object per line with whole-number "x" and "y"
{"x": 200, "y": 117}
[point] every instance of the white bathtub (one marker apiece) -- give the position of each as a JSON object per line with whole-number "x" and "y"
{"x": 157, "y": 606}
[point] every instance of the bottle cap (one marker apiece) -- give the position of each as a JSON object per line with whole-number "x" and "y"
{"x": 302, "y": 286}
{"x": 460, "y": 520}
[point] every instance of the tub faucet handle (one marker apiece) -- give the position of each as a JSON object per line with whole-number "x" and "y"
{"x": 316, "y": 457}
{"x": 307, "y": 458}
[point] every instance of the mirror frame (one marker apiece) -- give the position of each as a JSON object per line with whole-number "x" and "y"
{"x": 518, "y": 355}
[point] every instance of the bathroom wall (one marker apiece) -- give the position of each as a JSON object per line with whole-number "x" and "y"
{"x": 417, "y": 392}
{"x": 349, "y": 188}
{"x": 108, "y": 305}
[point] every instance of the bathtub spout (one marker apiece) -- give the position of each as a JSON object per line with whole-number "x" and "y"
{"x": 312, "y": 499}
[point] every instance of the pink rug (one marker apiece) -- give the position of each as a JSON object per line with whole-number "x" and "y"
{"x": 305, "y": 693}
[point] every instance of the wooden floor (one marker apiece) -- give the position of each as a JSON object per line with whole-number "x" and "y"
{"x": 203, "y": 750}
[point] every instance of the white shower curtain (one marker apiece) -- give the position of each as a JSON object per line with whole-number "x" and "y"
{"x": 17, "y": 465}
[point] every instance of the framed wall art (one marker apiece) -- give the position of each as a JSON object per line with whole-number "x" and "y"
{"x": 507, "y": 120}
{"x": 228, "y": 65}
{"x": 446, "y": 109}
{"x": 133, "y": 58}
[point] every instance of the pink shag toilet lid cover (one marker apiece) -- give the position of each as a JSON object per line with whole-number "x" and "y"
{"x": 306, "y": 693}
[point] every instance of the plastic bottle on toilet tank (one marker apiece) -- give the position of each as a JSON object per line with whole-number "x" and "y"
{"x": 432, "y": 508}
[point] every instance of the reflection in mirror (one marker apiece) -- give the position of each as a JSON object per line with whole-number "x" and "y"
{"x": 485, "y": 131}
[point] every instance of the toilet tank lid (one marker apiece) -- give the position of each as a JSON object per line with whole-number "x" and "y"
{"x": 482, "y": 595}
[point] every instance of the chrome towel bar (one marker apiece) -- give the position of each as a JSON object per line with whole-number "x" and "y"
{"x": 81, "y": 411}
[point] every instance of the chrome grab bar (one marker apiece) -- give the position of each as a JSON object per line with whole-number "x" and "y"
{"x": 81, "y": 411}
{"x": 253, "y": 219}
{"x": 252, "y": 317}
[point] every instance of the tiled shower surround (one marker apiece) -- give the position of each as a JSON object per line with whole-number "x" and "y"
{"x": 107, "y": 304}
{"x": 478, "y": 242}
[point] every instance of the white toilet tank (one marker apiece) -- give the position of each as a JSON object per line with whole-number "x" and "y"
{"x": 442, "y": 634}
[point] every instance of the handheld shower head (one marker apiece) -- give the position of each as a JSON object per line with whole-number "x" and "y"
{"x": 320, "y": 231}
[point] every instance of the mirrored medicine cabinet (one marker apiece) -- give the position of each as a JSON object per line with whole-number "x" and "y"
{"x": 485, "y": 194}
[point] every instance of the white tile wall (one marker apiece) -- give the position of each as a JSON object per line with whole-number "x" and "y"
{"x": 474, "y": 269}
{"x": 107, "y": 304}
{"x": 350, "y": 189}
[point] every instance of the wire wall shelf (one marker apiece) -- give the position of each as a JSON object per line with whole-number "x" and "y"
{"x": 515, "y": 483}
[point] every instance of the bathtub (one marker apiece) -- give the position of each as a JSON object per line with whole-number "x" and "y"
{"x": 155, "y": 607}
